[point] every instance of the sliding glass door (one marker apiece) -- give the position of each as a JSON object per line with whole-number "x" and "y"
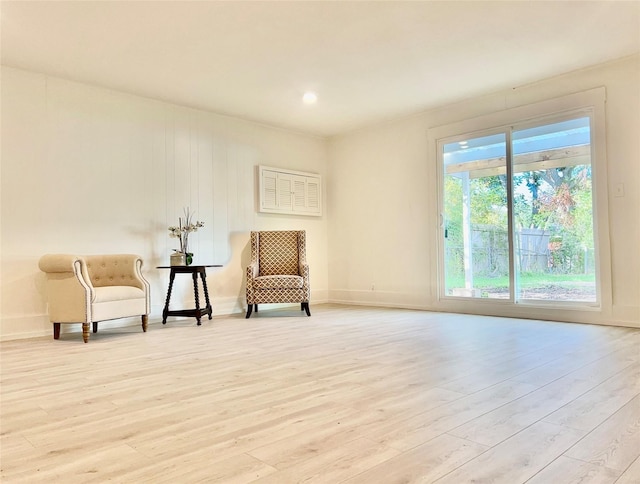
{"x": 476, "y": 255}
{"x": 517, "y": 214}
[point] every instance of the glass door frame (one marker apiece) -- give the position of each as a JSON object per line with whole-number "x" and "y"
{"x": 501, "y": 130}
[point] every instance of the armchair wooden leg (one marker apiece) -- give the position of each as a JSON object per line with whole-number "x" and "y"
{"x": 255, "y": 308}
{"x": 305, "y": 306}
{"x": 95, "y": 326}
{"x": 56, "y": 330}
{"x": 85, "y": 332}
{"x": 145, "y": 320}
{"x": 249, "y": 309}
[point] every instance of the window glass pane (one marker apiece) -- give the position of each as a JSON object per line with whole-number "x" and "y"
{"x": 553, "y": 212}
{"x": 476, "y": 252}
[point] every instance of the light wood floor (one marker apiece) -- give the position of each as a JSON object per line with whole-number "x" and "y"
{"x": 350, "y": 395}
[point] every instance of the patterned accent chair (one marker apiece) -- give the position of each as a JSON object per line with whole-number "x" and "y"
{"x": 89, "y": 289}
{"x": 278, "y": 272}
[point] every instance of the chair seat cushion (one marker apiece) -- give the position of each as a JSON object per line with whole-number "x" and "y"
{"x": 116, "y": 293}
{"x": 278, "y": 282}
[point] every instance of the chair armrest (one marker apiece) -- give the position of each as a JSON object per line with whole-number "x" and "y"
{"x": 303, "y": 270}
{"x": 58, "y": 263}
{"x": 252, "y": 270}
{"x": 68, "y": 286}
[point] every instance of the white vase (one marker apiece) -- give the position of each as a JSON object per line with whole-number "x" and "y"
{"x": 178, "y": 259}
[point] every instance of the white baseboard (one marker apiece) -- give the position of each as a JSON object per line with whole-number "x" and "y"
{"x": 384, "y": 299}
{"x": 38, "y": 325}
{"x": 620, "y": 316}
{"x": 628, "y": 314}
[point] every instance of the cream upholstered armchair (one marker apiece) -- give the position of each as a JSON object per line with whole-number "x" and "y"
{"x": 89, "y": 289}
{"x": 278, "y": 272}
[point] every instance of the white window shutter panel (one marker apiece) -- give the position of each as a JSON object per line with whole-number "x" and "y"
{"x": 284, "y": 192}
{"x": 269, "y": 193}
{"x": 289, "y": 192}
{"x": 313, "y": 195}
{"x": 299, "y": 195}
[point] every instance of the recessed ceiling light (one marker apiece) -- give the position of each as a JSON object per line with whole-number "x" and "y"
{"x": 309, "y": 98}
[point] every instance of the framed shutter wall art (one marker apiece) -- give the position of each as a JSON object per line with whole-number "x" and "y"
{"x": 289, "y": 192}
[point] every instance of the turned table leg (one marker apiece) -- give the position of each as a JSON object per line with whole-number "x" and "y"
{"x": 165, "y": 311}
{"x": 208, "y": 307}
{"x": 197, "y": 298}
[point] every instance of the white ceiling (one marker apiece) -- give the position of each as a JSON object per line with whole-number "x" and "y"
{"x": 367, "y": 61}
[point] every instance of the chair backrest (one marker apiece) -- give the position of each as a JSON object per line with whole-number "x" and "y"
{"x": 278, "y": 252}
{"x": 114, "y": 270}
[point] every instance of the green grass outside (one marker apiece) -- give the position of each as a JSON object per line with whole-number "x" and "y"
{"x": 527, "y": 280}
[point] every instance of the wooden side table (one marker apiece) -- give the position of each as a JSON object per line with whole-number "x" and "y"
{"x": 194, "y": 270}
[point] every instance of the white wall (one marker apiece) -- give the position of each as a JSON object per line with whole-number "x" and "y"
{"x": 382, "y": 202}
{"x": 87, "y": 170}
